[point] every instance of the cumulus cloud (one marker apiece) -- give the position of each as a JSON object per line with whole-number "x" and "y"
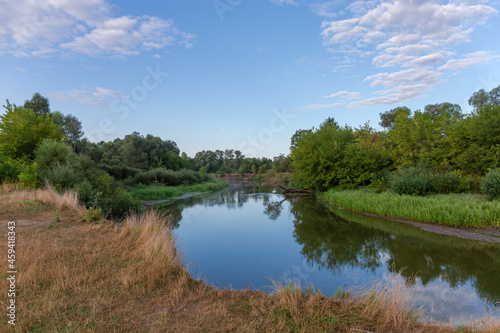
{"x": 417, "y": 38}
{"x": 470, "y": 59}
{"x": 98, "y": 97}
{"x": 47, "y": 27}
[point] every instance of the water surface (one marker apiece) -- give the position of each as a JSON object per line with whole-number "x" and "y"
{"x": 243, "y": 237}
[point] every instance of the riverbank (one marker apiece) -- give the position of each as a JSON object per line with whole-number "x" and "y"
{"x": 456, "y": 210}
{"x": 107, "y": 277}
{"x": 161, "y": 192}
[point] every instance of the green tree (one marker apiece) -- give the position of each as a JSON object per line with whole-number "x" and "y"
{"x": 319, "y": 155}
{"x": 71, "y": 126}
{"x": 39, "y": 104}
{"x": 22, "y": 130}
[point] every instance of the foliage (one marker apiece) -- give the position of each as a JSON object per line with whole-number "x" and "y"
{"x": 168, "y": 177}
{"x": 490, "y": 184}
{"x": 29, "y": 175}
{"x": 419, "y": 181}
{"x": 92, "y": 215}
{"x": 319, "y": 155}
{"x": 50, "y": 154}
{"x": 22, "y": 130}
{"x": 160, "y": 192}
{"x": 449, "y": 148}
{"x": 9, "y": 171}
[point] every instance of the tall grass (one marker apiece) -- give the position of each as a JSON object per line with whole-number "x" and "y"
{"x": 159, "y": 192}
{"x": 47, "y": 195}
{"x": 459, "y": 210}
{"x": 151, "y": 247}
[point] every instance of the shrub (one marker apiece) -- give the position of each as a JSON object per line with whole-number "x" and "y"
{"x": 88, "y": 195}
{"x": 92, "y": 215}
{"x": 444, "y": 183}
{"x": 63, "y": 176}
{"x": 8, "y": 170}
{"x": 490, "y": 184}
{"x": 29, "y": 175}
{"x": 411, "y": 181}
{"x": 51, "y": 153}
{"x": 418, "y": 181}
{"x": 121, "y": 203}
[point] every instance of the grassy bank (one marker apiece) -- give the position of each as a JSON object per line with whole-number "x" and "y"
{"x": 159, "y": 192}
{"x": 459, "y": 210}
{"x": 105, "y": 277}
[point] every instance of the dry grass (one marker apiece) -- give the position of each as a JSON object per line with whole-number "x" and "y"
{"x": 47, "y": 196}
{"x": 76, "y": 277}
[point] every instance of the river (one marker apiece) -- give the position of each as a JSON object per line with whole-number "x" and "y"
{"x": 246, "y": 237}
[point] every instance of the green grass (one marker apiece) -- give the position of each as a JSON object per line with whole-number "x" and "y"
{"x": 458, "y": 210}
{"x": 159, "y": 192}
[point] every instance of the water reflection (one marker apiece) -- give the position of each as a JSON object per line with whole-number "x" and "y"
{"x": 242, "y": 236}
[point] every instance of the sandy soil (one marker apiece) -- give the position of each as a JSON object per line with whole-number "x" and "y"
{"x": 486, "y": 234}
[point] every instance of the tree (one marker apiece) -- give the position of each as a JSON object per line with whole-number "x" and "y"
{"x": 319, "y": 155}
{"x": 39, "y": 104}
{"x": 481, "y": 98}
{"x": 22, "y": 130}
{"x": 71, "y": 127}
{"x": 388, "y": 118}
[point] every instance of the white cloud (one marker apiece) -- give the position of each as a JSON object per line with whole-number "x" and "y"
{"x": 427, "y": 60}
{"x": 404, "y": 77}
{"x": 98, "y": 97}
{"x": 47, "y": 27}
{"x": 344, "y": 94}
{"x": 392, "y": 96}
{"x": 315, "y": 107}
{"x": 414, "y": 37}
{"x": 327, "y": 9}
{"x": 470, "y": 59}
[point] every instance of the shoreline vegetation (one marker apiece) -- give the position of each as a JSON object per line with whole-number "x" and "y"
{"x": 106, "y": 276}
{"x": 456, "y": 210}
{"x": 160, "y": 192}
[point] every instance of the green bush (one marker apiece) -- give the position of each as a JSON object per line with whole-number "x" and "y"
{"x": 8, "y": 170}
{"x": 29, "y": 175}
{"x": 63, "y": 176}
{"x": 51, "y": 153}
{"x": 162, "y": 176}
{"x": 444, "y": 183}
{"x": 88, "y": 195}
{"x": 418, "y": 181}
{"x": 121, "y": 203}
{"x": 490, "y": 184}
{"x": 411, "y": 181}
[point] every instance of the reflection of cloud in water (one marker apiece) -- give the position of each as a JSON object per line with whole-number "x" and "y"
{"x": 441, "y": 303}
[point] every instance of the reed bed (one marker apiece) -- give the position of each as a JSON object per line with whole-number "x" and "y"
{"x": 458, "y": 210}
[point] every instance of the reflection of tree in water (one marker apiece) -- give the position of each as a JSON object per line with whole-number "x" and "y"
{"x": 332, "y": 242}
{"x": 273, "y": 208}
{"x": 231, "y": 197}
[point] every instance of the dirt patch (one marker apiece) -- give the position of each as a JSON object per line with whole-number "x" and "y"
{"x": 486, "y": 234}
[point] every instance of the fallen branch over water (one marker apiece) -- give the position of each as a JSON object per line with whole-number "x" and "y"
{"x": 292, "y": 190}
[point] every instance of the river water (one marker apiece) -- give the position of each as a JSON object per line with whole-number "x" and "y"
{"x": 245, "y": 237}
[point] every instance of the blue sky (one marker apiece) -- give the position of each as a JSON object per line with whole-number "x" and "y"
{"x": 243, "y": 74}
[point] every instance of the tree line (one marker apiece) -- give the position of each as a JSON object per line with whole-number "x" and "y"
{"x": 420, "y": 144}
{"x": 39, "y": 145}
